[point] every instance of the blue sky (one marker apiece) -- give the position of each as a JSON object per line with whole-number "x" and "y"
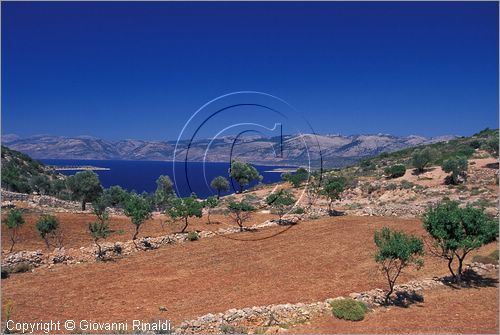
{"x": 139, "y": 70}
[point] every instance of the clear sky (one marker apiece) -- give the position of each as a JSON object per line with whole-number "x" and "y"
{"x": 139, "y": 70}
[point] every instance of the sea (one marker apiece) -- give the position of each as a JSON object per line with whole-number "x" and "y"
{"x": 141, "y": 176}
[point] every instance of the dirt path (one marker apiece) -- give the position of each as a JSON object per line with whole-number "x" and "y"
{"x": 311, "y": 261}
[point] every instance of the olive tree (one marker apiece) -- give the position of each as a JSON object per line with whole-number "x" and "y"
{"x": 115, "y": 196}
{"x": 48, "y": 228}
{"x": 138, "y": 209}
{"x": 281, "y": 200}
{"x": 99, "y": 229}
{"x": 240, "y": 211}
{"x": 300, "y": 176}
{"x": 313, "y": 191}
{"x": 220, "y": 184}
{"x": 40, "y": 184}
{"x": 332, "y": 190}
{"x": 458, "y": 168}
{"x": 457, "y": 231}
{"x": 184, "y": 208}
{"x": 244, "y": 173}
{"x": 85, "y": 186}
{"x": 210, "y": 203}
{"x": 396, "y": 251}
{"x": 421, "y": 158}
{"x": 13, "y": 223}
{"x": 164, "y": 192}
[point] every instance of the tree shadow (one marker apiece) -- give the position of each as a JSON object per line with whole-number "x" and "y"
{"x": 214, "y": 222}
{"x": 334, "y": 212}
{"x": 406, "y": 298}
{"x": 470, "y": 279}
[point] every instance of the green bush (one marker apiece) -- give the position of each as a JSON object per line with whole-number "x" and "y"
{"x": 298, "y": 210}
{"x": 21, "y": 267}
{"x": 230, "y": 329}
{"x": 395, "y": 171}
{"x": 193, "y": 236}
{"x": 349, "y": 309}
{"x": 458, "y": 168}
{"x": 405, "y": 184}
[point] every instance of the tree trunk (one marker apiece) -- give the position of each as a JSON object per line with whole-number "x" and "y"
{"x": 99, "y": 250}
{"x": 83, "y": 205}
{"x": 136, "y": 232}
{"x": 46, "y": 242}
{"x": 208, "y": 216}
{"x": 241, "y": 188}
{"x": 185, "y": 225}
{"x": 388, "y": 295}
{"x": 218, "y": 194}
{"x": 450, "y": 260}
{"x": 240, "y": 223}
{"x": 13, "y": 238}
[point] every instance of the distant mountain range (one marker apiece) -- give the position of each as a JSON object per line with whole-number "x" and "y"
{"x": 336, "y": 150}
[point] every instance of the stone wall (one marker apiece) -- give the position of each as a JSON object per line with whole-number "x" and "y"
{"x": 276, "y": 318}
{"x": 38, "y": 201}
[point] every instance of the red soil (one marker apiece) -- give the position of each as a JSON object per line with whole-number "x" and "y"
{"x": 444, "y": 310}
{"x": 311, "y": 261}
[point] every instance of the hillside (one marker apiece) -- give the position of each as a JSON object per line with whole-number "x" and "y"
{"x": 336, "y": 150}
{"x": 21, "y": 173}
{"x": 486, "y": 141}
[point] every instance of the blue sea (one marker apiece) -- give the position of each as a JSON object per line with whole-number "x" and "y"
{"x": 141, "y": 176}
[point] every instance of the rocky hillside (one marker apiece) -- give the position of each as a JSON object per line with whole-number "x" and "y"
{"x": 336, "y": 150}
{"x": 21, "y": 173}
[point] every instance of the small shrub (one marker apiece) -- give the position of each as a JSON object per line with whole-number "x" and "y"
{"x": 373, "y": 188}
{"x": 21, "y": 267}
{"x": 395, "y": 171}
{"x": 5, "y": 274}
{"x": 405, "y": 184}
{"x": 230, "y": 329}
{"x": 391, "y": 187}
{"x": 298, "y": 210}
{"x": 349, "y": 309}
{"x": 193, "y": 236}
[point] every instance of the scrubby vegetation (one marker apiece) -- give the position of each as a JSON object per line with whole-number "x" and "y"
{"x": 349, "y": 309}
{"x": 21, "y": 173}
{"x": 395, "y": 171}
{"x": 434, "y": 154}
{"x": 297, "y": 178}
